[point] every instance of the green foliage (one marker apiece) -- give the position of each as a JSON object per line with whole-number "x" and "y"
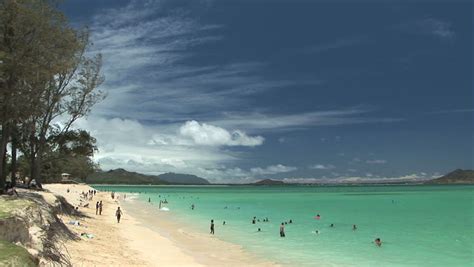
{"x": 47, "y": 82}
{"x": 7, "y": 206}
{"x": 13, "y": 255}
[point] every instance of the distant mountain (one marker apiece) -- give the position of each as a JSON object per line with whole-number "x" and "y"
{"x": 178, "y": 178}
{"x": 269, "y": 182}
{"x": 456, "y": 177}
{"x": 121, "y": 176}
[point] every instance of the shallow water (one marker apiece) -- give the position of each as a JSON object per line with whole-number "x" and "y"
{"x": 418, "y": 225}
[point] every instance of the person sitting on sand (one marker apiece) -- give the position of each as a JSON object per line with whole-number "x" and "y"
{"x": 10, "y": 189}
{"x": 212, "y": 227}
{"x": 378, "y": 242}
{"x": 118, "y": 214}
{"x": 282, "y": 230}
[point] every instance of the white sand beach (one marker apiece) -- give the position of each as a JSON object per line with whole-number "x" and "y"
{"x": 134, "y": 242}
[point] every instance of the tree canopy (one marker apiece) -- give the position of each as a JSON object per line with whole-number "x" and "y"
{"x": 47, "y": 82}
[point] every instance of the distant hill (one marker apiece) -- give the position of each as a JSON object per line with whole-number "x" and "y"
{"x": 269, "y": 182}
{"x": 121, "y": 176}
{"x": 456, "y": 177}
{"x": 179, "y": 178}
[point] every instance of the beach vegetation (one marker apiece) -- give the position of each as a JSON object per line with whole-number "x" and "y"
{"x": 48, "y": 81}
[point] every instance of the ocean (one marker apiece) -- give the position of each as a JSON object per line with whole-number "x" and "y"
{"x": 418, "y": 225}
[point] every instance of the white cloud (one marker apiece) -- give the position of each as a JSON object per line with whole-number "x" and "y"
{"x": 205, "y": 134}
{"x": 429, "y": 26}
{"x": 437, "y": 27}
{"x": 258, "y": 121}
{"x": 376, "y": 161}
{"x": 369, "y": 178}
{"x": 273, "y": 169}
{"x": 322, "y": 167}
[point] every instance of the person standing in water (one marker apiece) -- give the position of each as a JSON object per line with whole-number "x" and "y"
{"x": 212, "y": 227}
{"x": 354, "y": 227}
{"x": 118, "y": 214}
{"x": 282, "y": 230}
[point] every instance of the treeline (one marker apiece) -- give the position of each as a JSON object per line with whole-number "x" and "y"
{"x": 47, "y": 82}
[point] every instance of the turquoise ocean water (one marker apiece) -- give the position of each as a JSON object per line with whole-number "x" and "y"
{"x": 418, "y": 225}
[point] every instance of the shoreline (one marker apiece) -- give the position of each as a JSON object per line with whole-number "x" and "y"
{"x": 206, "y": 249}
{"x": 142, "y": 238}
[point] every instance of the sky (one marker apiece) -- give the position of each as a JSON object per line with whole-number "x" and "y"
{"x": 301, "y": 91}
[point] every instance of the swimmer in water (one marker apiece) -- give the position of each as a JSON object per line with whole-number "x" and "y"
{"x": 354, "y": 227}
{"x": 332, "y": 225}
{"x": 259, "y": 229}
{"x": 378, "y": 242}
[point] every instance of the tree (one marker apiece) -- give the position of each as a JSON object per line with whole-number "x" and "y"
{"x": 28, "y": 55}
{"x": 46, "y": 80}
{"x": 70, "y": 152}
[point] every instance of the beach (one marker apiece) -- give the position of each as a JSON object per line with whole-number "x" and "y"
{"x": 134, "y": 242}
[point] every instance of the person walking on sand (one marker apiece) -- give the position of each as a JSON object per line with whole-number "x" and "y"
{"x": 118, "y": 214}
{"x": 97, "y": 208}
{"x": 212, "y": 227}
{"x": 282, "y": 230}
{"x": 100, "y": 207}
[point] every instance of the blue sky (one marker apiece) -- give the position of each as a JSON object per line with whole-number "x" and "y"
{"x": 236, "y": 91}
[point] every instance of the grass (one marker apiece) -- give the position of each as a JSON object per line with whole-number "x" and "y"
{"x": 13, "y": 255}
{"x": 8, "y": 205}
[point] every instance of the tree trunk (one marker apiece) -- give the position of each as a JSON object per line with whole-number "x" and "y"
{"x": 13, "y": 163}
{"x": 3, "y": 151}
{"x": 38, "y": 162}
